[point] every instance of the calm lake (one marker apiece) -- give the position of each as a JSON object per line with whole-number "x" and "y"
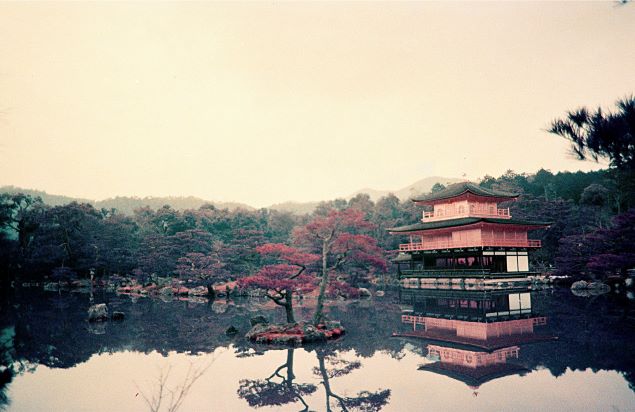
{"x": 409, "y": 350}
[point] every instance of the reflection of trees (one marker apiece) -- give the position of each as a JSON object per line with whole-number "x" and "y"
{"x": 6, "y": 359}
{"x": 331, "y": 367}
{"x": 267, "y": 392}
{"x": 51, "y": 329}
{"x": 172, "y": 397}
{"x": 270, "y": 392}
{"x": 592, "y": 334}
{"x": 368, "y": 326}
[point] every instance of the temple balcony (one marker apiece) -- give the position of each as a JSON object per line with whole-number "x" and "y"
{"x": 452, "y": 244}
{"x": 495, "y": 213}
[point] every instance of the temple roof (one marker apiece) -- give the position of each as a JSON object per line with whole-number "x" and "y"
{"x": 450, "y": 339}
{"x": 474, "y": 377}
{"x": 463, "y": 221}
{"x": 458, "y": 189}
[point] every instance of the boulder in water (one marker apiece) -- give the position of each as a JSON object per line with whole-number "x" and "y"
{"x": 98, "y": 313}
{"x": 580, "y": 284}
{"x": 364, "y": 293}
{"x": 582, "y": 288}
{"x": 198, "y": 291}
{"x": 599, "y": 286}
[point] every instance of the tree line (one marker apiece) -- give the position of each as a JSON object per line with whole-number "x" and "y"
{"x": 39, "y": 241}
{"x": 591, "y": 214}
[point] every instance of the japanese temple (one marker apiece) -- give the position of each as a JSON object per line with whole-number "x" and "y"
{"x": 465, "y": 237}
{"x": 472, "y": 336}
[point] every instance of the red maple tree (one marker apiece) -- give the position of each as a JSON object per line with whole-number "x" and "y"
{"x": 283, "y": 277}
{"x": 339, "y": 238}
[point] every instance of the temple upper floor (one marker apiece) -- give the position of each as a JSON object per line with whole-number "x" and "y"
{"x": 465, "y": 208}
{"x": 465, "y": 200}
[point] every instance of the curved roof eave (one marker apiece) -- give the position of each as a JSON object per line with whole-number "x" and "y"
{"x": 464, "y": 221}
{"x": 459, "y": 189}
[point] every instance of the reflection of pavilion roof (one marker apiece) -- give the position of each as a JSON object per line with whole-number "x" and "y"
{"x": 489, "y": 344}
{"x": 474, "y": 377}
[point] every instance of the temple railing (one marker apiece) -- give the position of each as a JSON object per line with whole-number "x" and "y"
{"x": 445, "y": 273}
{"x": 497, "y": 213}
{"x": 451, "y": 244}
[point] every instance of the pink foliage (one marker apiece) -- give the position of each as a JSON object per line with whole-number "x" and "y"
{"x": 342, "y": 231}
{"x": 279, "y": 278}
{"x": 342, "y": 236}
{"x": 361, "y": 249}
{"x": 288, "y": 254}
{"x": 289, "y": 274}
{"x": 329, "y": 226}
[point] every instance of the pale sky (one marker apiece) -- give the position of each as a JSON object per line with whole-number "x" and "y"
{"x": 266, "y": 102}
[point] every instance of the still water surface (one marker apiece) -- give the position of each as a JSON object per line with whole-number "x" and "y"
{"x": 454, "y": 350}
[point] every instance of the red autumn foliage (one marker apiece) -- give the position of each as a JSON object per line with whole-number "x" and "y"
{"x": 296, "y": 334}
{"x": 340, "y": 238}
{"x": 287, "y": 254}
{"x": 282, "y": 279}
{"x": 276, "y": 279}
{"x": 329, "y": 227}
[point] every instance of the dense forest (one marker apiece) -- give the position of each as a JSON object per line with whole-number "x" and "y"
{"x": 591, "y": 235}
{"x": 41, "y": 241}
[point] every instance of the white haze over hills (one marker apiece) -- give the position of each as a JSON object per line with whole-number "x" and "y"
{"x": 420, "y": 186}
{"x": 126, "y": 204}
{"x": 414, "y": 189}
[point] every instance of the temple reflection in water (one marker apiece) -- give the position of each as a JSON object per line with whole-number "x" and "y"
{"x": 472, "y": 335}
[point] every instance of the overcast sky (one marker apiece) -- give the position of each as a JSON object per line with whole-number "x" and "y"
{"x": 267, "y": 102}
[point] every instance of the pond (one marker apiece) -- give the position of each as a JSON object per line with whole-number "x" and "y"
{"x": 409, "y": 350}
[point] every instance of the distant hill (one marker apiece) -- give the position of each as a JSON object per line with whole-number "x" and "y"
{"x": 419, "y": 187}
{"x": 53, "y": 200}
{"x": 405, "y": 193}
{"x": 126, "y": 204}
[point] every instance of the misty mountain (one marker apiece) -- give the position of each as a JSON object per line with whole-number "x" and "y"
{"x": 53, "y": 200}
{"x": 419, "y": 187}
{"x": 405, "y": 193}
{"x": 127, "y": 204}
